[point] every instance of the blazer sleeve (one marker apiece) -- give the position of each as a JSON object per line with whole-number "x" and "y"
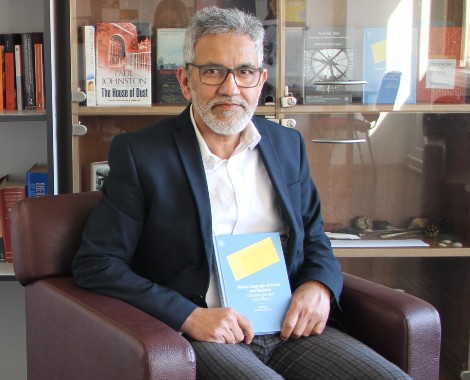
{"x": 111, "y": 236}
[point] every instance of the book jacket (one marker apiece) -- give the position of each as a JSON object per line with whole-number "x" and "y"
{"x": 253, "y": 279}
{"x": 169, "y": 59}
{"x": 123, "y": 67}
{"x": 388, "y": 79}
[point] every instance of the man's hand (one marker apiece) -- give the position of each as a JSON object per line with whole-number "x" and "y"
{"x": 218, "y": 325}
{"x": 308, "y": 311}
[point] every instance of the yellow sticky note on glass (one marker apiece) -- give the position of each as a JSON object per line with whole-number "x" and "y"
{"x": 252, "y": 259}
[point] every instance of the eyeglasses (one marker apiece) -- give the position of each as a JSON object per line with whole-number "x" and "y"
{"x": 215, "y": 75}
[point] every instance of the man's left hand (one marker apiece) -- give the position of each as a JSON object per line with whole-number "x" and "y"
{"x": 308, "y": 311}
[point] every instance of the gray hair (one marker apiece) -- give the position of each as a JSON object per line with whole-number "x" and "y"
{"x": 213, "y": 20}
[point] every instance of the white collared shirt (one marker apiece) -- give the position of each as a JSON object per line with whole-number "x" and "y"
{"x": 241, "y": 193}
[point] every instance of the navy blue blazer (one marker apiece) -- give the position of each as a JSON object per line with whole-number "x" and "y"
{"x": 149, "y": 240}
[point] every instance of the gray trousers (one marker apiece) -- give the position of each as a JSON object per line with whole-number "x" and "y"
{"x": 331, "y": 355}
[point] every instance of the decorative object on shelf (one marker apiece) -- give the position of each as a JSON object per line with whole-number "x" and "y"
{"x": 431, "y": 230}
{"x": 420, "y": 223}
{"x": 363, "y": 223}
{"x": 382, "y": 225}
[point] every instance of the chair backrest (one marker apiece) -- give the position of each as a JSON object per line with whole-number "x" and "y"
{"x": 46, "y": 233}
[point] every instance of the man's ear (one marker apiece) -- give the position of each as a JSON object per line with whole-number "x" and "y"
{"x": 183, "y": 79}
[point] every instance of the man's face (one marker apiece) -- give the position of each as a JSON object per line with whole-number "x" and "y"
{"x": 226, "y": 108}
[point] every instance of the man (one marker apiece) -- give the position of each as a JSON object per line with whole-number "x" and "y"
{"x": 214, "y": 170}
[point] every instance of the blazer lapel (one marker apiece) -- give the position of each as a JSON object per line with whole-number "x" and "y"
{"x": 190, "y": 154}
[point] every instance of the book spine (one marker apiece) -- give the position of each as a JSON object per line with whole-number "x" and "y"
{"x": 28, "y": 64}
{"x": 219, "y": 274}
{"x": 39, "y": 75}
{"x": 8, "y": 197}
{"x": 2, "y": 76}
{"x": 36, "y": 185}
{"x": 19, "y": 77}
{"x": 10, "y": 93}
{"x": 90, "y": 64}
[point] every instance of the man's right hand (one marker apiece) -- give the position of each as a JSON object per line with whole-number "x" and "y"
{"x": 218, "y": 325}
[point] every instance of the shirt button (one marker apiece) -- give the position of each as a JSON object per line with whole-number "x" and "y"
{"x": 198, "y": 299}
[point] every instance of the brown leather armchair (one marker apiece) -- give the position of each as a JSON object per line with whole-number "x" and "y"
{"x": 73, "y": 333}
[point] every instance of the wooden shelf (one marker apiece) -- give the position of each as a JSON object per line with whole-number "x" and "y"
{"x": 401, "y": 252}
{"x": 156, "y": 110}
{"x": 361, "y": 108}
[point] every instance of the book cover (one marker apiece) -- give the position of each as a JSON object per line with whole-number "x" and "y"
{"x": 442, "y": 82}
{"x": 98, "y": 172}
{"x": 253, "y": 278}
{"x": 39, "y": 70}
{"x": 37, "y": 184}
{"x": 123, "y": 67}
{"x": 89, "y": 64}
{"x": 328, "y": 65}
{"x": 10, "y": 193}
{"x": 169, "y": 59}
{"x": 29, "y": 86}
{"x": 390, "y": 67}
{"x": 2, "y": 74}
{"x": 19, "y": 77}
{"x": 10, "y": 88}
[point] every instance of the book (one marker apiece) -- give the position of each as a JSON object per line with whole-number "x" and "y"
{"x": 328, "y": 65}
{"x": 39, "y": 70}
{"x": 10, "y": 193}
{"x": 19, "y": 77}
{"x": 2, "y": 73}
{"x": 98, "y": 172}
{"x": 89, "y": 64}
{"x": 3, "y": 259}
{"x": 37, "y": 184}
{"x": 252, "y": 278}
{"x": 29, "y": 86}
{"x": 169, "y": 59}
{"x": 389, "y": 80}
{"x": 123, "y": 64}
{"x": 442, "y": 81}
{"x": 11, "y": 40}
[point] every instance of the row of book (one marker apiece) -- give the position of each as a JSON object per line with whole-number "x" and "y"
{"x": 21, "y": 71}
{"x": 35, "y": 185}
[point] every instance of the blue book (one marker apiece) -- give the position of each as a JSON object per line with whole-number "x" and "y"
{"x": 390, "y": 67}
{"x": 253, "y": 279}
{"x": 37, "y": 181}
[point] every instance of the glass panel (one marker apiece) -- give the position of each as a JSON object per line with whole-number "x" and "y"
{"x": 391, "y": 168}
{"x": 167, "y": 19}
{"x": 399, "y": 52}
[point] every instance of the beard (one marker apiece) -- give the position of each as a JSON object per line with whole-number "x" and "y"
{"x": 228, "y": 122}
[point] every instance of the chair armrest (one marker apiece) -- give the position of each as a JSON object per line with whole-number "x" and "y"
{"x": 404, "y": 329}
{"x": 73, "y": 333}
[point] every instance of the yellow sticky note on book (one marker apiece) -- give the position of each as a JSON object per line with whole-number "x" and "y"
{"x": 253, "y": 258}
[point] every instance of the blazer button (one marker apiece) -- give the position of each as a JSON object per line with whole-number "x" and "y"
{"x": 198, "y": 299}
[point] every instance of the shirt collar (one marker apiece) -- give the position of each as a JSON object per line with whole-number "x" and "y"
{"x": 249, "y": 139}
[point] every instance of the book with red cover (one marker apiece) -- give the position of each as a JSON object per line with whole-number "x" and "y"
{"x": 442, "y": 82}
{"x": 39, "y": 69}
{"x": 11, "y": 40}
{"x": 2, "y": 74}
{"x": 10, "y": 193}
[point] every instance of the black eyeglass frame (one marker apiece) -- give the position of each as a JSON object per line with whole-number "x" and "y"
{"x": 233, "y": 71}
